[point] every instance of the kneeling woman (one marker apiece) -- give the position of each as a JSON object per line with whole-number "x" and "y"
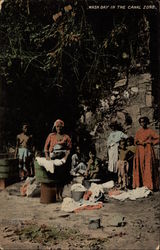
{"x": 58, "y": 146}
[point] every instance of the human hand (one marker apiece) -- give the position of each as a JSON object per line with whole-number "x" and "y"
{"x": 48, "y": 158}
{"x": 63, "y": 160}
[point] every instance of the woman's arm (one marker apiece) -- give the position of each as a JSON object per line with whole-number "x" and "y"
{"x": 69, "y": 146}
{"x": 46, "y": 147}
{"x": 66, "y": 155}
{"x": 137, "y": 140}
{"x": 155, "y": 138}
{"x": 88, "y": 167}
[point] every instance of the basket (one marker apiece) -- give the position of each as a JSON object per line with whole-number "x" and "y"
{"x": 9, "y": 168}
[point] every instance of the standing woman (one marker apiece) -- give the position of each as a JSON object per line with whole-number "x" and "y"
{"x": 58, "y": 146}
{"x": 145, "y": 171}
{"x": 112, "y": 144}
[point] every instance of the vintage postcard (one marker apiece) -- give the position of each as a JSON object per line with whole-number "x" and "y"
{"x": 79, "y": 124}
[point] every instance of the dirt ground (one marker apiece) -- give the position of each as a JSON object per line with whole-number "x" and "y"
{"x": 25, "y": 223}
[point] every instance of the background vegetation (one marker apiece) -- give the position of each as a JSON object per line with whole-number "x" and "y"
{"x": 56, "y": 55}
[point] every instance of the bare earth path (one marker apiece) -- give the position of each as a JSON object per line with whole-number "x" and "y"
{"x": 19, "y": 214}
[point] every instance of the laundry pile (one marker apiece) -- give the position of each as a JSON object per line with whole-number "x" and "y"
{"x": 50, "y": 165}
{"x": 133, "y": 194}
{"x": 91, "y": 199}
{"x": 30, "y": 187}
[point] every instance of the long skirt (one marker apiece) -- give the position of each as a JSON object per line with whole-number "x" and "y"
{"x": 113, "y": 158}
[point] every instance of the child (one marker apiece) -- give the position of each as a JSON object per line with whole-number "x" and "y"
{"x": 122, "y": 165}
{"x": 78, "y": 163}
{"x": 93, "y": 165}
{"x": 24, "y": 151}
{"x": 131, "y": 149}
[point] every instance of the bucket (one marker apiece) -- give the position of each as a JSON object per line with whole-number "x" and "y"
{"x": 94, "y": 223}
{"x": 3, "y": 155}
{"x": 77, "y": 195}
{"x": 9, "y": 168}
{"x": 48, "y": 193}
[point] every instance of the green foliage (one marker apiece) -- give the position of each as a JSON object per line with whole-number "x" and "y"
{"x": 44, "y": 234}
{"x": 59, "y": 55}
{"x": 67, "y": 45}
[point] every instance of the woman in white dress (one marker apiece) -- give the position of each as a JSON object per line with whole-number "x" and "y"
{"x": 112, "y": 144}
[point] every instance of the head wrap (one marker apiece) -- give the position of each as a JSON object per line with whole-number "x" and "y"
{"x": 58, "y": 122}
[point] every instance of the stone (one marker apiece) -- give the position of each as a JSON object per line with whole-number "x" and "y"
{"x": 104, "y": 104}
{"x": 90, "y": 119}
{"x": 134, "y": 81}
{"x": 82, "y": 119}
{"x": 149, "y": 87}
{"x": 149, "y": 99}
{"x": 147, "y": 111}
{"x": 115, "y": 92}
{"x": 113, "y": 97}
{"x": 120, "y": 117}
{"x": 135, "y": 113}
{"x": 94, "y": 223}
{"x": 116, "y": 221}
{"x": 120, "y": 83}
{"x": 126, "y": 94}
{"x": 140, "y": 98}
{"x": 134, "y": 90}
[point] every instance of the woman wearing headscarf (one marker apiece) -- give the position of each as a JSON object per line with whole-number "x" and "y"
{"x": 58, "y": 146}
{"x": 145, "y": 171}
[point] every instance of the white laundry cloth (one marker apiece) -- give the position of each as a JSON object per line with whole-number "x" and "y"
{"x": 97, "y": 192}
{"x": 108, "y": 184}
{"x": 49, "y": 165}
{"x": 113, "y": 157}
{"x": 59, "y": 162}
{"x": 134, "y": 194}
{"x": 78, "y": 187}
{"x": 69, "y": 205}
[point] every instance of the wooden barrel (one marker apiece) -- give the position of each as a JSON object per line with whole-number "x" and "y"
{"x": 8, "y": 168}
{"x": 42, "y": 175}
{"x": 48, "y": 193}
{"x": 3, "y": 155}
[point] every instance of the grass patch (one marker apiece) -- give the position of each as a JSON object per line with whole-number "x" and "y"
{"x": 44, "y": 234}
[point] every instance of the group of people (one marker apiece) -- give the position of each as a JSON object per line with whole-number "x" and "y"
{"x": 87, "y": 166}
{"x": 130, "y": 160}
{"x": 133, "y": 161}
